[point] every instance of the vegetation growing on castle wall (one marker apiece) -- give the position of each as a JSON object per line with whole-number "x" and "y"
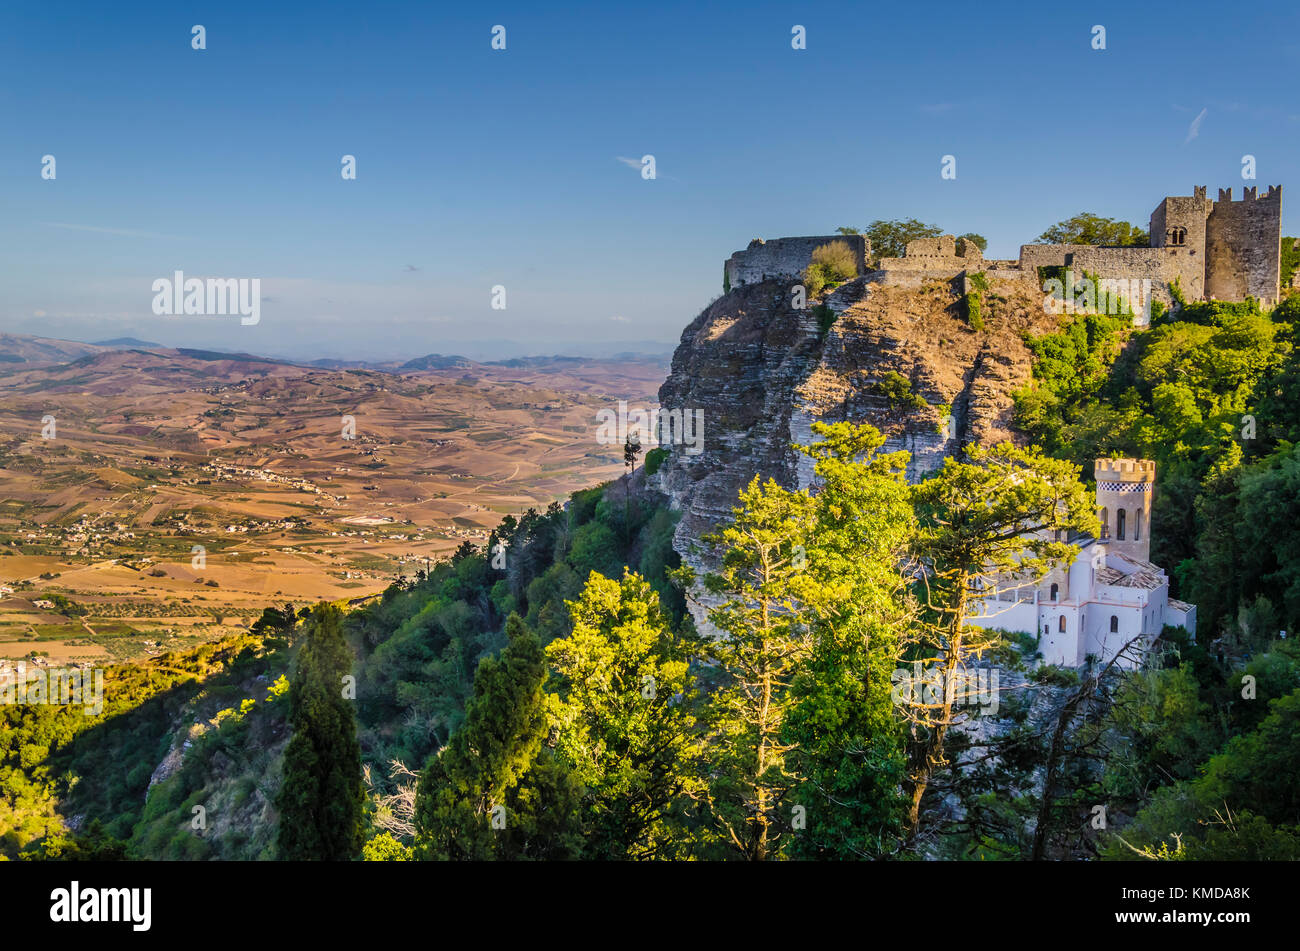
{"x": 1288, "y": 260}
{"x": 1176, "y": 292}
{"x": 832, "y": 263}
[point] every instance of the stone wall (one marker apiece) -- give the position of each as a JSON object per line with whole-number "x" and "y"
{"x": 1127, "y": 264}
{"x": 929, "y": 259}
{"x": 1242, "y": 244}
{"x": 1157, "y": 265}
{"x": 786, "y": 258}
{"x": 1226, "y": 250}
{"x": 1034, "y": 256}
{"x": 939, "y": 255}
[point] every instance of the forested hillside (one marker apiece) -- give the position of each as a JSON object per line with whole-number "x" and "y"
{"x": 548, "y": 696}
{"x": 207, "y": 728}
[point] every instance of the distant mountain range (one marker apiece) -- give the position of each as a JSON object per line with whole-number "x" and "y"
{"x": 22, "y": 350}
{"x": 129, "y": 342}
{"x": 436, "y": 361}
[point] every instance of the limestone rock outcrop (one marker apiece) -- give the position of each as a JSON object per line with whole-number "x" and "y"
{"x": 763, "y": 373}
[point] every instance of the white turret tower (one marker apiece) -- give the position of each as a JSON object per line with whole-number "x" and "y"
{"x": 1125, "y": 488}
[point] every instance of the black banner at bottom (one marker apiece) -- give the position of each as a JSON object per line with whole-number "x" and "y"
{"x": 142, "y": 901}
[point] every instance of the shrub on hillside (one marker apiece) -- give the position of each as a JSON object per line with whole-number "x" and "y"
{"x": 813, "y": 280}
{"x": 974, "y": 315}
{"x": 897, "y": 389}
{"x": 654, "y": 459}
{"x": 825, "y": 318}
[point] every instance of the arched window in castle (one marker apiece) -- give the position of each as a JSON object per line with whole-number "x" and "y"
{"x": 1176, "y": 237}
{"x": 1119, "y": 525}
{"x": 1054, "y": 590}
{"x": 1137, "y": 526}
{"x": 1060, "y": 625}
{"x": 1104, "y": 515}
{"x": 1114, "y": 624}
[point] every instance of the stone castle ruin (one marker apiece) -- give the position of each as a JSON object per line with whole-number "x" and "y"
{"x": 1211, "y": 250}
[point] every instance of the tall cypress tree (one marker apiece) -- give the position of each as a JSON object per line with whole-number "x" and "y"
{"x": 321, "y": 797}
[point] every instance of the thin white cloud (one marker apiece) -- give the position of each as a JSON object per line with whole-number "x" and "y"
{"x": 621, "y": 320}
{"x": 1194, "y": 129}
{"x": 124, "y": 232}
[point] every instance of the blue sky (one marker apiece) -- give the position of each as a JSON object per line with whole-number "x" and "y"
{"x": 478, "y": 167}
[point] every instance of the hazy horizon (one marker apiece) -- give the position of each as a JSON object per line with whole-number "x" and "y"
{"x": 482, "y": 351}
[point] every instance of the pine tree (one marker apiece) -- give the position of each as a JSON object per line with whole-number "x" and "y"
{"x": 847, "y": 736}
{"x": 996, "y": 522}
{"x": 624, "y": 710}
{"x": 321, "y": 796}
{"x": 492, "y": 792}
{"x": 765, "y": 636}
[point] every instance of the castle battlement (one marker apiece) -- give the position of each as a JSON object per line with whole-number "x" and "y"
{"x": 1124, "y": 470}
{"x": 1251, "y": 193}
{"x": 1212, "y": 250}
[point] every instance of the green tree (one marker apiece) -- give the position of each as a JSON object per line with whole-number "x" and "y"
{"x": 1269, "y": 541}
{"x": 1087, "y": 228}
{"x": 1166, "y": 727}
{"x": 385, "y": 847}
{"x": 276, "y": 623}
{"x": 1244, "y": 805}
{"x": 631, "y": 450}
{"x": 993, "y": 523}
{"x": 765, "y": 636}
{"x": 845, "y": 733}
{"x": 889, "y": 237}
{"x": 488, "y": 794}
{"x": 623, "y": 706}
{"x": 321, "y": 797}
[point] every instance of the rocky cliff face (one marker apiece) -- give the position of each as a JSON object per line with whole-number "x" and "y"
{"x": 763, "y": 373}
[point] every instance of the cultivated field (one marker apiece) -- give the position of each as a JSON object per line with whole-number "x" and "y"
{"x": 178, "y": 493}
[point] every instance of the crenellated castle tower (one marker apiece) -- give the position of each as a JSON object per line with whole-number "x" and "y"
{"x": 1125, "y": 488}
{"x": 1222, "y": 250}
